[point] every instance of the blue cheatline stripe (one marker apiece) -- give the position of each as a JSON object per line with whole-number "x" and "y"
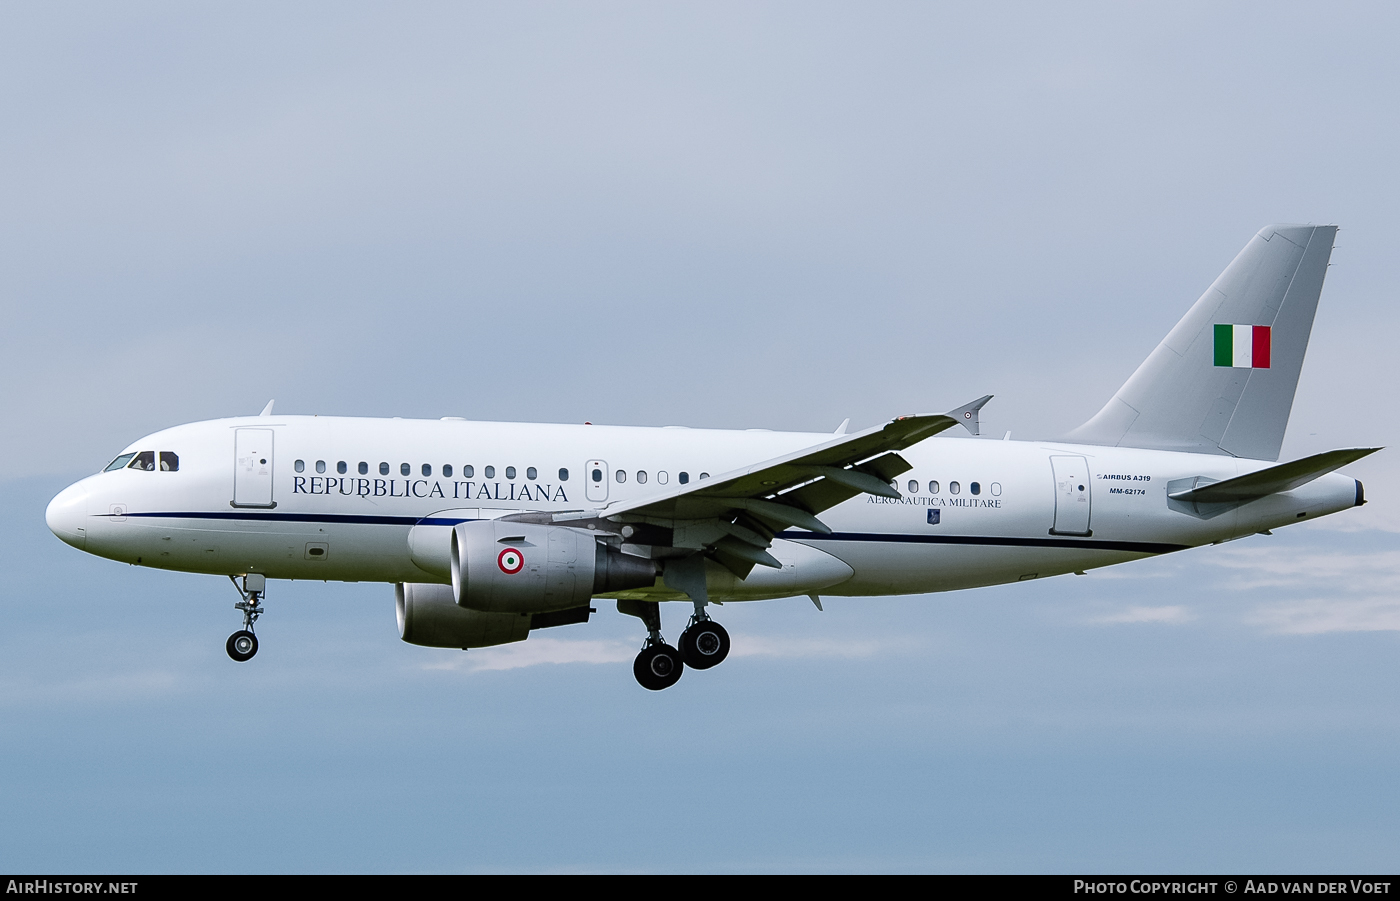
{"x": 352, "y": 519}
{"x": 1132, "y": 547}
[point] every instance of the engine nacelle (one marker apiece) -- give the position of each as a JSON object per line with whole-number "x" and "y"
{"x": 512, "y": 567}
{"x": 430, "y": 616}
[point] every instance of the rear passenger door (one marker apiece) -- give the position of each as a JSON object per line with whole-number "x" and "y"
{"x": 1072, "y": 495}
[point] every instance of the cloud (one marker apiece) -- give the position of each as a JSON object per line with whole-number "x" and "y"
{"x": 1293, "y": 568}
{"x": 109, "y": 687}
{"x": 537, "y": 651}
{"x": 1341, "y": 591}
{"x": 1172, "y": 615}
{"x": 759, "y": 646}
{"x": 1317, "y": 615}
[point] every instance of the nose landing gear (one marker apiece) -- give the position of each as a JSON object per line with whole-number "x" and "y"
{"x": 243, "y": 644}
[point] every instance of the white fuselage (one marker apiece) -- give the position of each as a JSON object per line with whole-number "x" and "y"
{"x": 1002, "y": 511}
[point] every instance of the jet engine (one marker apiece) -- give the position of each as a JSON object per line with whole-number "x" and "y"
{"x": 429, "y": 616}
{"x": 512, "y": 567}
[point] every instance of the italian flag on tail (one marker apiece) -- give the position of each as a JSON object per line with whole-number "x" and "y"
{"x": 1243, "y": 346}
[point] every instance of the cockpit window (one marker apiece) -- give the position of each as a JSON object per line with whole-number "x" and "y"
{"x": 169, "y": 462}
{"x": 119, "y": 463}
{"x": 145, "y": 460}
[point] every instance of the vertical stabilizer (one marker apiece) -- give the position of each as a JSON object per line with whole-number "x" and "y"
{"x": 1222, "y": 381}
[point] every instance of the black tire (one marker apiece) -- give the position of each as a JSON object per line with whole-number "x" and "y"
{"x": 657, "y": 667}
{"x": 704, "y": 644}
{"x": 242, "y": 645}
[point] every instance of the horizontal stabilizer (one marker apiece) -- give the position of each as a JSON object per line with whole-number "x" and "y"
{"x": 1284, "y": 477}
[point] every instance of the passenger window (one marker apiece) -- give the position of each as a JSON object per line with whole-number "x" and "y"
{"x": 975, "y": 487}
{"x": 641, "y": 477}
{"x": 320, "y": 465}
{"x": 913, "y": 486}
{"x": 119, "y": 463}
{"x": 621, "y": 476}
{"x": 447, "y": 470}
{"x": 364, "y": 468}
{"x": 468, "y": 471}
{"x": 563, "y": 475}
{"x": 146, "y": 461}
{"x": 704, "y": 475}
{"x": 299, "y": 466}
{"x": 490, "y": 472}
{"x": 427, "y": 469}
{"x": 954, "y": 488}
{"x": 684, "y": 478}
{"x": 169, "y": 462}
{"x": 341, "y": 467}
{"x": 932, "y": 487}
{"x": 510, "y": 472}
{"x": 405, "y": 469}
{"x": 383, "y": 468}
{"x": 662, "y": 477}
{"x": 532, "y": 473}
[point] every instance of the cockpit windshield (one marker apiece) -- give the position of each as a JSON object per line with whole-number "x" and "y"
{"x": 147, "y": 461}
{"x": 119, "y": 463}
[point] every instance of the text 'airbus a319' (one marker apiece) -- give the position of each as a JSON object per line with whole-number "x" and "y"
{"x": 491, "y": 530}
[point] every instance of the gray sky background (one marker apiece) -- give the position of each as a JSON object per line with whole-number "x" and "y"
{"x": 747, "y": 215}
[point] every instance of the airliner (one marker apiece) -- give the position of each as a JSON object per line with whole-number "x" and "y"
{"x": 489, "y": 531}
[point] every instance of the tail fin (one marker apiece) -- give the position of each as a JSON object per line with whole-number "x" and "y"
{"x": 1222, "y": 381}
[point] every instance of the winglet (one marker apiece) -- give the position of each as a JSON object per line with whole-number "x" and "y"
{"x": 267, "y": 410}
{"x": 841, "y": 429}
{"x": 966, "y": 415}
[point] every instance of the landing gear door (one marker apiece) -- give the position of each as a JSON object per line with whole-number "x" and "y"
{"x": 1072, "y": 493}
{"x": 595, "y": 476}
{"x": 252, "y": 472}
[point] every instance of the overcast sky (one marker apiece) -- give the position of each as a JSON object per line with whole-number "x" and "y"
{"x": 747, "y": 215}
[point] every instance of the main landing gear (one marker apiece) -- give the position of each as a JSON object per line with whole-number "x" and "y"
{"x": 703, "y": 644}
{"x": 243, "y": 644}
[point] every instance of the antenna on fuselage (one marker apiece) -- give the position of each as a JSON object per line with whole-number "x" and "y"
{"x": 267, "y": 410}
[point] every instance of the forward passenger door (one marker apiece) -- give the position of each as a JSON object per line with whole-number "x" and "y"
{"x": 252, "y": 471}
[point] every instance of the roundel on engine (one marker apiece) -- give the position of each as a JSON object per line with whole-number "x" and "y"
{"x": 510, "y": 561}
{"x": 567, "y": 567}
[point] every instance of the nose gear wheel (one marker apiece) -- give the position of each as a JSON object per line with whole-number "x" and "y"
{"x": 242, "y": 645}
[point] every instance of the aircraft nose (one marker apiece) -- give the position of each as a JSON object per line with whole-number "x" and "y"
{"x": 67, "y": 515}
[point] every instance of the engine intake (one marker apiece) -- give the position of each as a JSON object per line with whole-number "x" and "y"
{"x": 512, "y": 567}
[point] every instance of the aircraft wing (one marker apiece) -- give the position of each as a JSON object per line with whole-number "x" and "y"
{"x": 734, "y": 516}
